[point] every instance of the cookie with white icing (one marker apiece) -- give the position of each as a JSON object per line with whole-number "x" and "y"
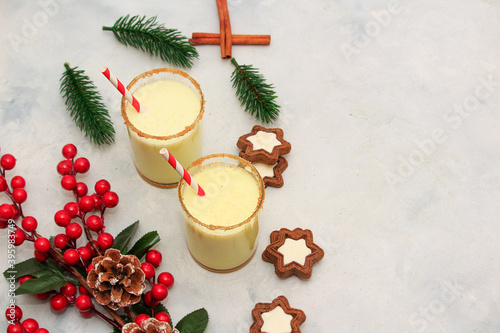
{"x": 277, "y": 316}
{"x": 263, "y": 145}
{"x": 293, "y": 252}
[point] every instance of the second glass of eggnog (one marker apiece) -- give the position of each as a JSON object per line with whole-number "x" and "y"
{"x": 222, "y": 226}
{"x": 172, "y": 106}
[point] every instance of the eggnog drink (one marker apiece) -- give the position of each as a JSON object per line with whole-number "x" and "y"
{"x": 222, "y": 226}
{"x": 172, "y": 106}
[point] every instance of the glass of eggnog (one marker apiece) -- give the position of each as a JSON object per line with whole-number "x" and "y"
{"x": 222, "y": 226}
{"x": 172, "y": 106}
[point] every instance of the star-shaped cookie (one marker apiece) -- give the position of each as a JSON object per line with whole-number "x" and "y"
{"x": 295, "y": 256}
{"x": 272, "y": 175}
{"x": 277, "y": 314}
{"x": 263, "y": 145}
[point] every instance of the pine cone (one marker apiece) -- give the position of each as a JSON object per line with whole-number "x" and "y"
{"x": 116, "y": 280}
{"x": 150, "y": 325}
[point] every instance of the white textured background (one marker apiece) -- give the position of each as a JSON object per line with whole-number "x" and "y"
{"x": 392, "y": 110}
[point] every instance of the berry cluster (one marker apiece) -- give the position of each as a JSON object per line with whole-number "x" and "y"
{"x": 82, "y": 210}
{"x": 159, "y": 285}
{"x": 83, "y": 216}
{"x": 14, "y": 314}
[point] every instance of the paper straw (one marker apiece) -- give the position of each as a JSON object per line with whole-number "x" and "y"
{"x": 184, "y": 174}
{"x": 121, "y": 88}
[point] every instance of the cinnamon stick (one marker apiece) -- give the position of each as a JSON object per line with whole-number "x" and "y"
{"x": 225, "y": 29}
{"x": 202, "y": 38}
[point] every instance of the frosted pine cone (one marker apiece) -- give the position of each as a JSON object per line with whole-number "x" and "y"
{"x": 150, "y": 325}
{"x": 116, "y": 280}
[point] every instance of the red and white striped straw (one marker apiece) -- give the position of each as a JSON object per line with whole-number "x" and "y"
{"x": 184, "y": 174}
{"x": 121, "y": 88}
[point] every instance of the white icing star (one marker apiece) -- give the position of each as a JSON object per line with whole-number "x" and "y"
{"x": 264, "y": 169}
{"x": 294, "y": 250}
{"x": 276, "y": 321}
{"x": 264, "y": 140}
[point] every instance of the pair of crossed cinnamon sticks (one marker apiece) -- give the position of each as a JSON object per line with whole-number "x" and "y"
{"x": 225, "y": 38}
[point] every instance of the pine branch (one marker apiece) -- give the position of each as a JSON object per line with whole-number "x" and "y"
{"x": 153, "y": 38}
{"x": 254, "y": 94}
{"x": 86, "y": 107}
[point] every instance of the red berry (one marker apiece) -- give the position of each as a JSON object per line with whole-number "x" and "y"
{"x": 14, "y": 313}
{"x": 19, "y": 195}
{"x": 86, "y": 204}
{"x": 91, "y": 249}
{"x": 42, "y": 245}
{"x": 8, "y": 162}
{"x": 62, "y": 218}
{"x": 68, "y": 182}
{"x": 41, "y": 257}
{"x": 85, "y": 253}
{"x": 159, "y": 292}
{"x": 102, "y": 186}
{"x": 41, "y": 330}
{"x": 163, "y": 316}
{"x": 83, "y": 303}
{"x": 6, "y": 211}
{"x": 25, "y": 278}
{"x": 82, "y": 290}
{"x": 71, "y": 256}
{"x": 140, "y": 318}
{"x": 69, "y": 151}
{"x": 74, "y": 230}
{"x": 68, "y": 290}
{"x": 4, "y": 224}
{"x": 148, "y": 269}
{"x": 3, "y": 184}
{"x": 89, "y": 268}
{"x": 94, "y": 223}
{"x": 29, "y": 223}
{"x": 18, "y": 236}
{"x": 15, "y": 328}
{"x": 61, "y": 241}
{"x": 110, "y": 199}
{"x": 154, "y": 257}
{"x": 72, "y": 209}
{"x": 105, "y": 241}
{"x": 16, "y": 212}
{"x": 81, "y": 165}
{"x": 86, "y": 314}
{"x": 98, "y": 200}
{"x": 81, "y": 189}
{"x": 148, "y": 300}
{"x": 58, "y": 302}
{"x": 30, "y": 325}
{"x": 166, "y": 279}
{"x": 42, "y": 296}
{"x": 17, "y": 182}
{"x": 64, "y": 167}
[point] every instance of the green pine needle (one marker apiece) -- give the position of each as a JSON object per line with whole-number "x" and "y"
{"x": 254, "y": 94}
{"x": 153, "y": 38}
{"x": 86, "y": 107}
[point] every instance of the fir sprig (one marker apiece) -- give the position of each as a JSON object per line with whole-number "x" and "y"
{"x": 85, "y": 105}
{"x": 254, "y": 94}
{"x": 153, "y": 38}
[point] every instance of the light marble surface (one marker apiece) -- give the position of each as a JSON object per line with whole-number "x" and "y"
{"x": 392, "y": 110}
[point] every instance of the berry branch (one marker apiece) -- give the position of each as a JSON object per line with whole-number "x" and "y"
{"x": 105, "y": 269}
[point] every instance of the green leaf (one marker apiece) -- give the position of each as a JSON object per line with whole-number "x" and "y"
{"x": 27, "y": 267}
{"x": 145, "y": 243}
{"x": 152, "y": 37}
{"x": 86, "y": 106}
{"x": 254, "y": 93}
{"x": 123, "y": 238}
{"x": 195, "y": 322}
{"x": 46, "y": 281}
